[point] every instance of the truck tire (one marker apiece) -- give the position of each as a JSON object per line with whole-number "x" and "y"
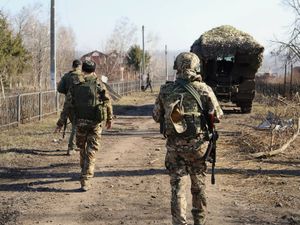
{"x": 246, "y": 107}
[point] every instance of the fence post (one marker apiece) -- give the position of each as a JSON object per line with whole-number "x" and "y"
{"x": 19, "y": 108}
{"x": 57, "y": 101}
{"x": 40, "y": 106}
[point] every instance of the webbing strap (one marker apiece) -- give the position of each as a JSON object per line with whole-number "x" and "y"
{"x": 187, "y": 86}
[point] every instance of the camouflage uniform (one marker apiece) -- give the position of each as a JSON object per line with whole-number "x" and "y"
{"x": 185, "y": 155}
{"x": 67, "y": 112}
{"x": 88, "y": 135}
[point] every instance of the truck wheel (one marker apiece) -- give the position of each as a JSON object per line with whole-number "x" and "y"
{"x": 246, "y": 108}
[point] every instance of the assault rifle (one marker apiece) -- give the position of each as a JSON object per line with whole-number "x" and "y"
{"x": 65, "y": 127}
{"x": 211, "y": 153}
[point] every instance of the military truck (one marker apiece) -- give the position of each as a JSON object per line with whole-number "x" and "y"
{"x": 229, "y": 60}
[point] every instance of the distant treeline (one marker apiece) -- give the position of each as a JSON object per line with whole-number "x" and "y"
{"x": 25, "y": 50}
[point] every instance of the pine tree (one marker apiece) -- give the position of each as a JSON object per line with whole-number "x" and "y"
{"x": 134, "y": 58}
{"x": 13, "y": 55}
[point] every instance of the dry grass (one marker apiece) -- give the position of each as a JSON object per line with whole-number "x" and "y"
{"x": 138, "y": 98}
{"x": 254, "y": 140}
{"x": 29, "y": 139}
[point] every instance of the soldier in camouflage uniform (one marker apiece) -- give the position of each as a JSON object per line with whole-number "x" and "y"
{"x": 88, "y": 123}
{"x": 91, "y": 106}
{"x": 185, "y": 153}
{"x": 64, "y": 87}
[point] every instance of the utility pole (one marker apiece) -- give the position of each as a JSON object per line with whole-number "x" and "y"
{"x": 143, "y": 60}
{"x": 52, "y": 47}
{"x": 166, "y": 61}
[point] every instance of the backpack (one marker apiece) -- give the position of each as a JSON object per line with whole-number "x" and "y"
{"x": 66, "y": 81}
{"x": 86, "y": 100}
{"x": 183, "y": 116}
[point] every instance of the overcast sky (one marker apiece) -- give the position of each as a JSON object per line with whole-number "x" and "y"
{"x": 177, "y": 23}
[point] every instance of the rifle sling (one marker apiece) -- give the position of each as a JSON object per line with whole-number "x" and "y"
{"x": 187, "y": 86}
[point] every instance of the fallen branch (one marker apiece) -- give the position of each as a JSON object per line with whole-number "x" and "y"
{"x": 296, "y": 98}
{"x": 281, "y": 149}
{"x": 281, "y": 99}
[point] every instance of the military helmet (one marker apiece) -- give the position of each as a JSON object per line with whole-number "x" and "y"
{"x": 187, "y": 61}
{"x": 76, "y": 63}
{"x": 88, "y": 66}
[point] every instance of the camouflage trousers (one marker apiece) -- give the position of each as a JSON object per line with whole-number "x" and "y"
{"x": 72, "y": 143}
{"x": 88, "y": 141}
{"x": 179, "y": 165}
{"x": 68, "y": 113}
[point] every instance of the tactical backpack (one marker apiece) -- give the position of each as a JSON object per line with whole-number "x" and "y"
{"x": 184, "y": 115}
{"x": 86, "y": 100}
{"x": 66, "y": 81}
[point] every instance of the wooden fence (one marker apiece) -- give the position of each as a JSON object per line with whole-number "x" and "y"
{"x": 26, "y": 107}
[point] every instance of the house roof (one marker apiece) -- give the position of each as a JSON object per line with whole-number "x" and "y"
{"x": 94, "y": 54}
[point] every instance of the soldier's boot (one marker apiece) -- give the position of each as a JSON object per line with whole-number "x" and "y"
{"x": 199, "y": 217}
{"x": 84, "y": 165}
{"x": 85, "y": 185}
{"x": 87, "y": 163}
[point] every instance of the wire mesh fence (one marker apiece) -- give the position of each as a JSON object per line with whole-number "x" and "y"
{"x": 26, "y": 107}
{"x": 275, "y": 89}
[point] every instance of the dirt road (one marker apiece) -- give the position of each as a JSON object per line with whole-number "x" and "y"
{"x": 39, "y": 184}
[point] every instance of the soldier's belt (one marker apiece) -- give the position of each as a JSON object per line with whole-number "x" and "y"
{"x": 85, "y": 122}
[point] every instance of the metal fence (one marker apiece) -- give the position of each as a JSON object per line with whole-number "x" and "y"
{"x": 124, "y": 88}
{"x": 275, "y": 89}
{"x": 26, "y": 107}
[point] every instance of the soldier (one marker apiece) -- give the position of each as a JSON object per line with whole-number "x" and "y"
{"x": 148, "y": 83}
{"x": 64, "y": 87}
{"x": 185, "y": 127}
{"x": 92, "y": 106}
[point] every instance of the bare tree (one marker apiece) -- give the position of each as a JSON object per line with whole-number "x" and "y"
{"x": 156, "y": 64}
{"x": 123, "y": 36}
{"x": 290, "y": 49}
{"x": 36, "y": 39}
{"x": 65, "y": 49}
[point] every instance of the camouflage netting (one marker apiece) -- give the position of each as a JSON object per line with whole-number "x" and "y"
{"x": 225, "y": 41}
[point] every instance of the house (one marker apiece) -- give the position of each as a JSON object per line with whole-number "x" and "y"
{"x": 111, "y": 65}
